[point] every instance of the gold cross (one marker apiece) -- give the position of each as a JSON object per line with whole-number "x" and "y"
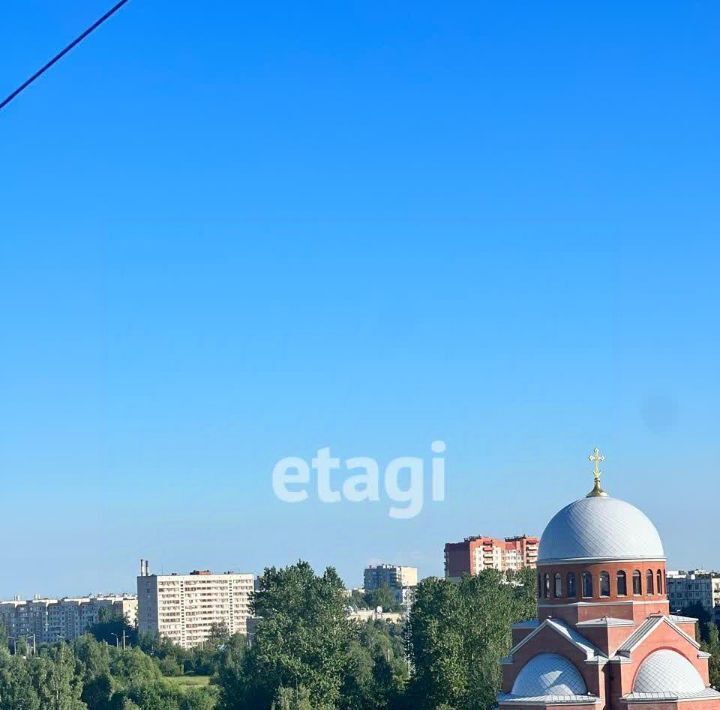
{"x": 597, "y": 458}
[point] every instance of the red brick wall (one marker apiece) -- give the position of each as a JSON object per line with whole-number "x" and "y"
{"x": 549, "y": 641}
{"x": 610, "y": 605}
{"x": 457, "y": 559}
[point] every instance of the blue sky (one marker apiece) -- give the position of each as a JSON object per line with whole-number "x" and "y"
{"x": 232, "y": 233}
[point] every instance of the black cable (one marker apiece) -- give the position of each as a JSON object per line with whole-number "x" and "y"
{"x": 61, "y": 54}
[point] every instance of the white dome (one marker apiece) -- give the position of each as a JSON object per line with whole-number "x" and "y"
{"x": 549, "y": 674}
{"x": 667, "y": 671}
{"x": 600, "y": 528}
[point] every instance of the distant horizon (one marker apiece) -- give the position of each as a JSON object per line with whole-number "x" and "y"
{"x": 161, "y": 570}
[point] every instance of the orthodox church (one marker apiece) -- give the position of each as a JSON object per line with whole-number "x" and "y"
{"x": 604, "y": 637}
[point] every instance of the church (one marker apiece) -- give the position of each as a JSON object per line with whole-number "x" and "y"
{"x": 604, "y": 636}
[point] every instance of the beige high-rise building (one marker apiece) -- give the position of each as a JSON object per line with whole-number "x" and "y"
{"x": 185, "y": 608}
{"x": 400, "y": 579}
{"x": 393, "y": 576}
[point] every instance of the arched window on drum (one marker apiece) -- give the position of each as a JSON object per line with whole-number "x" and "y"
{"x": 604, "y": 584}
{"x": 649, "y": 584}
{"x": 637, "y": 582}
{"x": 621, "y": 584}
{"x": 571, "y": 585}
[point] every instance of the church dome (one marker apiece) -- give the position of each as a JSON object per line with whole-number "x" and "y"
{"x": 549, "y": 674}
{"x": 600, "y": 528}
{"x": 667, "y": 671}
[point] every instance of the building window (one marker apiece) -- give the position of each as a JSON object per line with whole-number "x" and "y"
{"x": 659, "y": 582}
{"x": 571, "y": 591}
{"x": 649, "y": 585}
{"x": 604, "y": 584}
{"x": 558, "y": 585}
{"x": 637, "y": 582}
{"x": 621, "y": 584}
{"x": 546, "y": 586}
{"x": 587, "y": 584}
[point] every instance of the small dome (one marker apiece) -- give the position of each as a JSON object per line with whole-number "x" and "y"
{"x": 667, "y": 671}
{"x": 600, "y": 528}
{"x": 549, "y": 674}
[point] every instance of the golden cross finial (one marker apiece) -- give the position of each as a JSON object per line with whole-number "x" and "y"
{"x": 597, "y": 458}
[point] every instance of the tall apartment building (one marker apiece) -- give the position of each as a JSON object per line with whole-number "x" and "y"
{"x": 475, "y": 554}
{"x": 694, "y": 587}
{"x": 52, "y": 620}
{"x": 400, "y": 579}
{"x": 185, "y": 608}
{"x": 393, "y": 576}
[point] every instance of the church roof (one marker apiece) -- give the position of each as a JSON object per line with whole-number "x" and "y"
{"x": 549, "y": 674}
{"x": 506, "y": 698}
{"x": 670, "y": 696}
{"x": 645, "y": 629}
{"x": 568, "y": 632}
{"x": 605, "y": 621}
{"x": 678, "y": 619}
{"x": 668, "y": 672}
{"x": 600, "y": 528}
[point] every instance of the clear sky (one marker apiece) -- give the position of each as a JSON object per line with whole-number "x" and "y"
{"x": 233, "y": 232}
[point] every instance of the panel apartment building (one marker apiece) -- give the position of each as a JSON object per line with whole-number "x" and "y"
{"x": 400, "y": 579}
{"x": 185, "y": 608}
{"x": 694, "y": 587}
{"x": 393, "y": 576}
{"x": 52, "y": 620}
{"x": 475, "y": 554}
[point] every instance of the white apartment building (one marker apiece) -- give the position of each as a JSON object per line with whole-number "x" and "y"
{"x": 185, "y": 608}
{"x": 52, "y": 620}
{"x": 693, "y": 587}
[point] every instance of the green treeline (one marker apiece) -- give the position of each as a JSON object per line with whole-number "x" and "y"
{"x": 305, "y": 654}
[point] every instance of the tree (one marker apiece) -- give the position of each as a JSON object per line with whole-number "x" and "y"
{"x": 111, "y": 626}
{"x": 56, "y": 680}
{"x": 712, "y": 646}
{"x": 524, "y": 593}
{"x": 384, "y": 597}
{"x": 457, "y": 634}
{"x": 133, "y": 667}
{"x": 357, "y": 599}
{"x": 377, "y": 672}
{"x": 302, "y": 639}
{"x": 206, "y": 658}
{"x": 94, "y": 660}
{"x": 697, "y": 611}
{"x": 292, "y": 699}
{"x": 16, "y": 686}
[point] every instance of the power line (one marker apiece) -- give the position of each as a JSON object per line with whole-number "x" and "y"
{"x": 61, "y": 54}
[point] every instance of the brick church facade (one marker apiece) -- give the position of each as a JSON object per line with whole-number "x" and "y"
{"x": 604, "y": 637}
